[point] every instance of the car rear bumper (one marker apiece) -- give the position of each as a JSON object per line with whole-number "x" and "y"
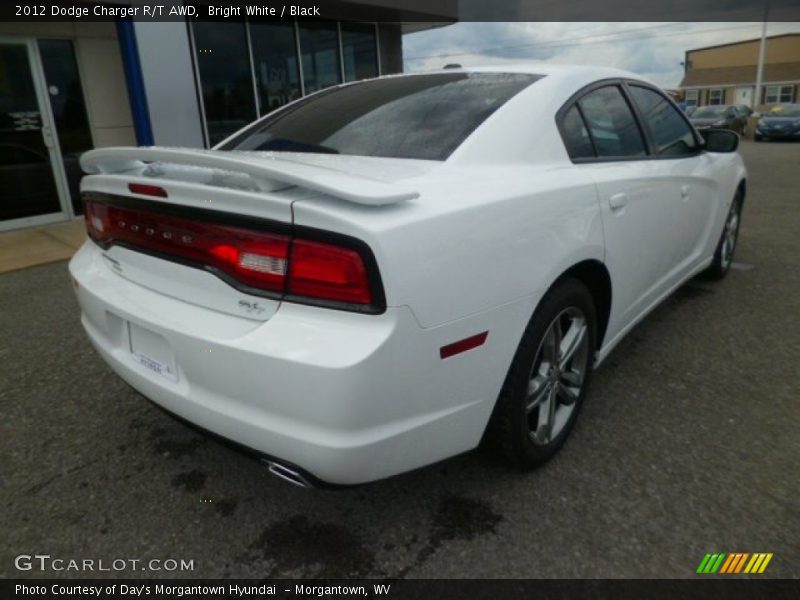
{"x": 348, "y": 398}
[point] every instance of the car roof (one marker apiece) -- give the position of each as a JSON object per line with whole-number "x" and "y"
{"x": 546, "y": 69}
{"x": 561, "y": 75}
{"x": 504, "y": 137}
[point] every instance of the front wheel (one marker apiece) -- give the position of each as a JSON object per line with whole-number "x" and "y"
{"x": 723, "y": 256}
{"x": 548, "y": 378}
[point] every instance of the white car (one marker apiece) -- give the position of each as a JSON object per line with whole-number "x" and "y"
{"x": 387, "y": 273}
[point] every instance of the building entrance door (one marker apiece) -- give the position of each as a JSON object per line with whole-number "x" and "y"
{"x": 744, "y": 95}
{"x": 33, "y": 187}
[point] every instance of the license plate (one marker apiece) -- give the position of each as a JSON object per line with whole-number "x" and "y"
{"x": 152, "y": 351}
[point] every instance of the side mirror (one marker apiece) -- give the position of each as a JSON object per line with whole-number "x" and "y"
{"x": 720, "y": 140}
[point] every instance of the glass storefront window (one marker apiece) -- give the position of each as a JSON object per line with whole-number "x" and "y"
{"x": 275, "y": 64}
{"x": 319, "y": 44}
{"x": 232, "y": 74}
{"x": 225, "y": 75}
{"x": 359, "y": 51}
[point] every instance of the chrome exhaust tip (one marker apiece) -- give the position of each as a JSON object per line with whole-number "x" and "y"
{"x": 287, "y": 474}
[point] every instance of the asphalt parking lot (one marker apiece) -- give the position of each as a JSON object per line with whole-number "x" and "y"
{"x": 689, "y": 443}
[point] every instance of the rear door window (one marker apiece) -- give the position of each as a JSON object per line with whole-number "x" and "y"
{"x": 612, "y": 124}
{"x": 575, "y": 135}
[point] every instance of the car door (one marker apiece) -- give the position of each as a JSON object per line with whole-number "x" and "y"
{"x": 687, "y": 174}
{"x": 637, "y": 201}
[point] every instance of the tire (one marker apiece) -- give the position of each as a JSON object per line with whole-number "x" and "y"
{"x": 521, "y": 433}
{"x": 726, "y": 247}
{"x": 757, "y": 137}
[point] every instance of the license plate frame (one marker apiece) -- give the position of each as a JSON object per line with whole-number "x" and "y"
{"x": 152, "y": 351}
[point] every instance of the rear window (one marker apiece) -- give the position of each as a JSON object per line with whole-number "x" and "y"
{"x": 414, "y": 116}
{"x": 710, "y": 111}
{"x": 787, "y": 110}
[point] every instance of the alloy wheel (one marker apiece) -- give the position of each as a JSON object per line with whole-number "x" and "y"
{"x": 730, "y": 236}
{"x": 558, "y": 375}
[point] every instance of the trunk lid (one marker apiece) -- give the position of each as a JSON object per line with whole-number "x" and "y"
{"x": 253, "y": 190}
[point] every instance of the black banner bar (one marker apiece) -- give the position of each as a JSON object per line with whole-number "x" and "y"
{"x": 733, "y": 588}
{"x": 404, "y": 10}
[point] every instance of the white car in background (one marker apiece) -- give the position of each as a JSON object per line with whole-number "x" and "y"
{"x": 386, "y": 273}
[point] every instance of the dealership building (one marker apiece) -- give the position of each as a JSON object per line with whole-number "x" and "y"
{"x": 67, "y": 87}
{"x": 726, "y": 74}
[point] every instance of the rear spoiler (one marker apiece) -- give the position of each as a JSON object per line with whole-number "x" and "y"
{"x": 261, "y": 167}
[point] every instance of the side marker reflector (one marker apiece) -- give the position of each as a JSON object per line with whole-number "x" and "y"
{"x": 463, "y": 345}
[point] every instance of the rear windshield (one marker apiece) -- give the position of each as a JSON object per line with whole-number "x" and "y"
{"x": 787, "y": 110}
{"x": 710, "y": 111}
{"x": 414, "y": 116}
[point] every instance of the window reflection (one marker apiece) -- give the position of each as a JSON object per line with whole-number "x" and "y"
{"x": 225, "y": 75}
{"x": 359, "y": 51}
{"x": 319, "y": 43}
{"x": 275, "y": 63}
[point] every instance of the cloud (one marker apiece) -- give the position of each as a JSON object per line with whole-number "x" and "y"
{"x": 652, "y": 50}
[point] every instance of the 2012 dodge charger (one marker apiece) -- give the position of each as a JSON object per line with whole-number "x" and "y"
{"x": 388, "y": 273}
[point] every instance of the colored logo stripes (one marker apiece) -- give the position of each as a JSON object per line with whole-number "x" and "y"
{"x": 735, "y": 562}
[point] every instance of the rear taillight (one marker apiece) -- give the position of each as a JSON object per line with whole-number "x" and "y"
{"x": 252, "y": 258}
{"x": 277, "y": 263}
{"x": 321, "y": 270}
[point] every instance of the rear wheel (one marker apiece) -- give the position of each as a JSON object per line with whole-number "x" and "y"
{"x": 757, "y": 138}
{"x": 723, "y": 257}
{"x": 548, "y": 378}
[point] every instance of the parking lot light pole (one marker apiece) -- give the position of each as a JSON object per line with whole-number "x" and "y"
{"x": 761, "y": 53}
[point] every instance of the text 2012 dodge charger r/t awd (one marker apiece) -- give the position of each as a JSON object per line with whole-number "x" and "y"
{"x": 387, "y": 273}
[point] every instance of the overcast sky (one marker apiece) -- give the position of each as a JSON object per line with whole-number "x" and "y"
{"x": 653, "y": 50}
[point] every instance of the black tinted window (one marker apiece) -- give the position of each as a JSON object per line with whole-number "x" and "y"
{"x": 319, "y": 42}
{"x": 415, "y": 116}
{"x": 226, "y": 80}
{"x": 575, "y": 135}
{"x": 359, "y": 50}
{"x": 671, "y": 133}
{"x": 612, "y": 124}
{"x": 275, "y": 63}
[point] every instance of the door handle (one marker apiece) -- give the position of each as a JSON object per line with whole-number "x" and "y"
{"x": 618, "y": 201}
{"x": 684, "y": 192}
{"x": 47, "y": 135}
